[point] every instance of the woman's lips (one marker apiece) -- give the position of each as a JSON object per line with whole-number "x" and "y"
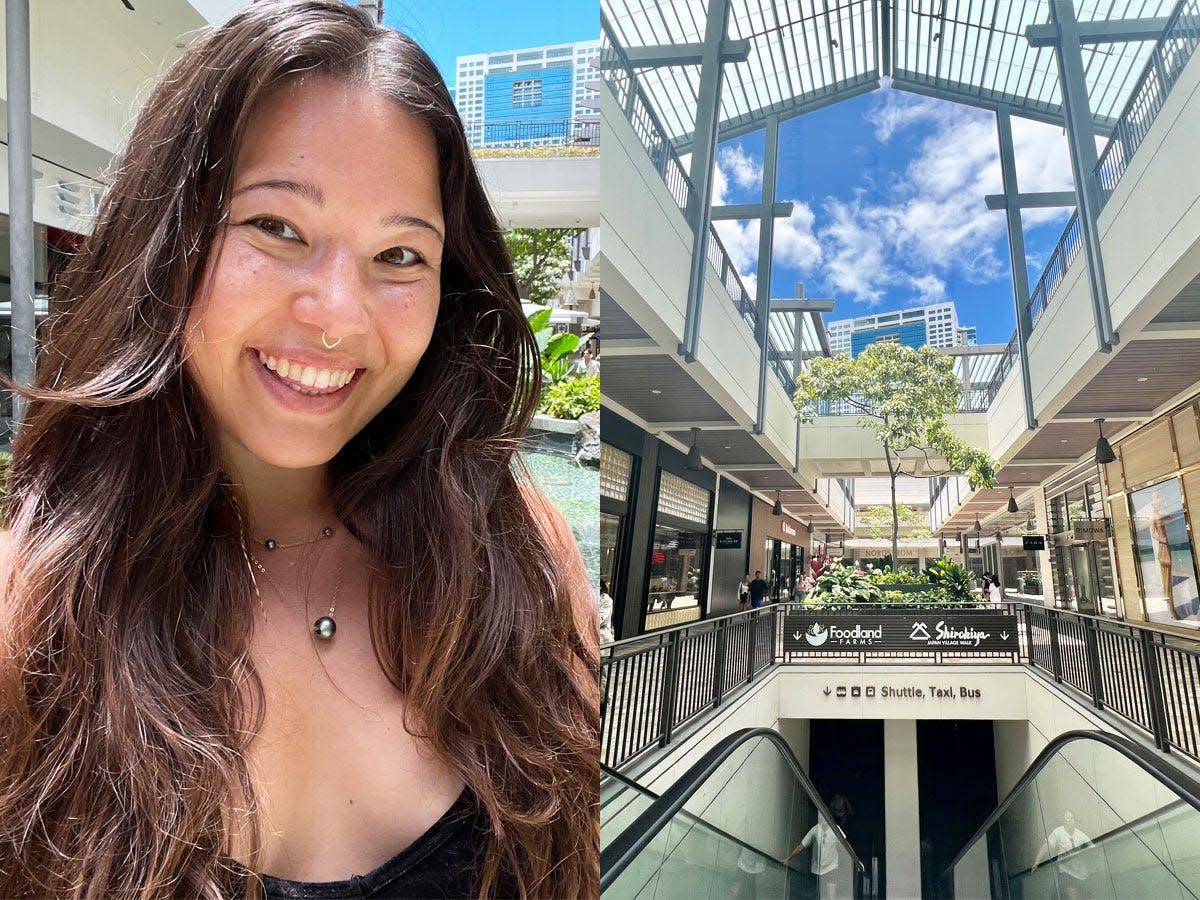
{"x": 294, "y": 395}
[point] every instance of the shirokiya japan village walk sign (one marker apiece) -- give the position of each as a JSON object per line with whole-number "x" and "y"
{"x": 902, "y": 631}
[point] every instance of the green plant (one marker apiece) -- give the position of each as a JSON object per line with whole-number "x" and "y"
{"x": 555, "y": 350}
{"x": 903, "y": 575}
{"x": 905, "y": 397}
{"x": 877, "y": 521}
{"x": 540, "y": 256}
{"x": 955, "y": 580}
{"x": 572, "y": 397}
{"x": 841, "y": 583}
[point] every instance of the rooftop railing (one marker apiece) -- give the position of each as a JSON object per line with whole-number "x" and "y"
{"x": 533, "y": 133}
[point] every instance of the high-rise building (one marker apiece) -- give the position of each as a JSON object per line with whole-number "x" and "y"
{"x": 935, "y": 325}
{"x": 537, "y": 95}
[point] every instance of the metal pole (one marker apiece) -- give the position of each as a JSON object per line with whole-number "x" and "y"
{"x": 1082, "y": 143}
{"x": 704, "y": 159}
{"x": 766, "y": 245}
{"x": 20, "y": 198}
{"x": 1016, "y": 256}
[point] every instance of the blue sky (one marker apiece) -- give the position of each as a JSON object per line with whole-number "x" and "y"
{"x": 889, "y": 213}
{"x": 451, "y": 28}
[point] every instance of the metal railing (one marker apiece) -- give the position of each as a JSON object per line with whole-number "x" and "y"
{"x": 1168, "y": 58}
{"x": 1065, "y": 252}
{"x": 1148, "y": 679}
{"x": 533, "y": 133}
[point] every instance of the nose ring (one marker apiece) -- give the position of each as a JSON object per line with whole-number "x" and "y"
{"x": 325, "y": 341}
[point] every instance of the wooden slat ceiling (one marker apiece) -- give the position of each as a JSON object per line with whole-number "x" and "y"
{"x": 1066, "y": 440}
{"x": 1168, "y": 367}
{"x": 680, "y": 398}
{"x": 726, "y": 448}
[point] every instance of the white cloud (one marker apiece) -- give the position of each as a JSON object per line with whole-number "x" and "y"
{"x": 795, "y": 244}
{"x": 932, "y": 220}
{"x": 743, "y": 169}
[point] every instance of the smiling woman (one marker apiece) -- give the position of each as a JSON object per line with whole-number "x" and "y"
{"x": 279, "y": 619}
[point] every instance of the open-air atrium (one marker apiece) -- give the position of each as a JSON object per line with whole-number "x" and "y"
{"x": 732, "y": 737}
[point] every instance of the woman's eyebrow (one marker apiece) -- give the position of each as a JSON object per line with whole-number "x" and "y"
{"x": 311, "y": 192}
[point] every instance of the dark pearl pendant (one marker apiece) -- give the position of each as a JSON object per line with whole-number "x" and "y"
{"x": 324, "y": 628}
{"x": 270, "y": 544}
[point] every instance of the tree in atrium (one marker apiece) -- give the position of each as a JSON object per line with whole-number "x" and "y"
{"x": 541, "y": 256}
{"x": 906, "y": 398}
{"x": 877, "y": 520}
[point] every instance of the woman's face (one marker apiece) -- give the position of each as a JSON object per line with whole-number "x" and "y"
{"x": 334, "y": 234}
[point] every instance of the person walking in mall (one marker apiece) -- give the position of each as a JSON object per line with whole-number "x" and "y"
{"x": 758, "y": 591}
{"x": 744, "y": 593}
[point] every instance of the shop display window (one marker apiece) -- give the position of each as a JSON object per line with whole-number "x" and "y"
{"x": 1165, "y": 557}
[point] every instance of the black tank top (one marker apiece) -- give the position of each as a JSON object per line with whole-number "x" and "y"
{"x": 441, "y": 863}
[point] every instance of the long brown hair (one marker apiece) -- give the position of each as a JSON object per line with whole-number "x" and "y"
{"x": 132, "y": 698}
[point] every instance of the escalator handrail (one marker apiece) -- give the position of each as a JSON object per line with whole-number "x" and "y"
{"x": 617, "y": 856}
{"x": 1184, "y": 785}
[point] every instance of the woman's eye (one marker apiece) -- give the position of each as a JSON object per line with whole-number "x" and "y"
{"x": 276, "y": 228}
{"x": 399, "y": 256}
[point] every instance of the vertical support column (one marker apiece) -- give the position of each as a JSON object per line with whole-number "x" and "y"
{"x": 641, "y": 527}
{"x": 1016, "y": 255}
{"x": 20, "y": 199}
{"x": 1082, "y": 142}
{"x": 766, "y": 245}
{"x": 901, "y": 804}
{"x": 704, "y": 151}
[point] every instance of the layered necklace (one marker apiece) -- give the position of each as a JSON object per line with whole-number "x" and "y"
{"x": 325, "y": 627}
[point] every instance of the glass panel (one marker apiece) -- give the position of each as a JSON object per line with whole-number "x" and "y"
{"x": 721, "y": 846}
{"x": 1091, "y": 823}
{"x": 676, "y": 571}
{"x": 610, "y": 541}
{"x": 1164, "y": 554}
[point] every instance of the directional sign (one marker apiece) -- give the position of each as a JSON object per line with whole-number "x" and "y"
{"x": 914, "y": 631}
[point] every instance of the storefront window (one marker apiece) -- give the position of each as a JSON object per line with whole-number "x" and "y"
{"x": 1165, "y": 557}
{"x": 678, "y": 556}
{"x": 616, "y": 471}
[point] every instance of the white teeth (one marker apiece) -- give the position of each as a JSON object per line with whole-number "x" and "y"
{"x": 299, "y": 377}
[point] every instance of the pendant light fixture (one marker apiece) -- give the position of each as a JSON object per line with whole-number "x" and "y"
{"x": 1012, "y": 501}
{"x": 1104, "y": 450}
{"x": 777, "y": 509}
{"x": 694, "y": 462}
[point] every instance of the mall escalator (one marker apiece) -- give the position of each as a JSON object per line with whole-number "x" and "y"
{"x": 1095, "y": 815}
{"x": 724, "y": 830}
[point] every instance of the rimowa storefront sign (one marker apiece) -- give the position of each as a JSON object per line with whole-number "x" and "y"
{"x": 915, "y": 631}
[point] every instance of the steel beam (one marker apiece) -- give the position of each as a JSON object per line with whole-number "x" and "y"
{"x": 982, "y": 98}
{"x": 1078, "y": 117}
{"x": 802, "y": 305}
{"x": 1104, "y": 31}
{"x": 766, "y": 245}
{"x": 742, "y": 211}
{"x": 1039, "y": 200}
{"x": 20, "y": 200}
{"x": 1016, "y": 257}
{"x": 683, "y": 54}
{"x": 704, "y": 158}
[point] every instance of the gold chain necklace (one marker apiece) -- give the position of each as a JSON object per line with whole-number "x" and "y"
{"x": 325, "y": 627}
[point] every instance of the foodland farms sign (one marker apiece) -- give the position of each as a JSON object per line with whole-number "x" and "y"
{"x": 919, "y": 631}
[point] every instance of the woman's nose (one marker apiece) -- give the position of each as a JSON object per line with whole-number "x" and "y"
{"x": 336, "y": 298}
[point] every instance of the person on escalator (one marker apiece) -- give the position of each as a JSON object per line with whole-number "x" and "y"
{"x": 1066, "y": 843}
{"x": 824, "y": 866}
